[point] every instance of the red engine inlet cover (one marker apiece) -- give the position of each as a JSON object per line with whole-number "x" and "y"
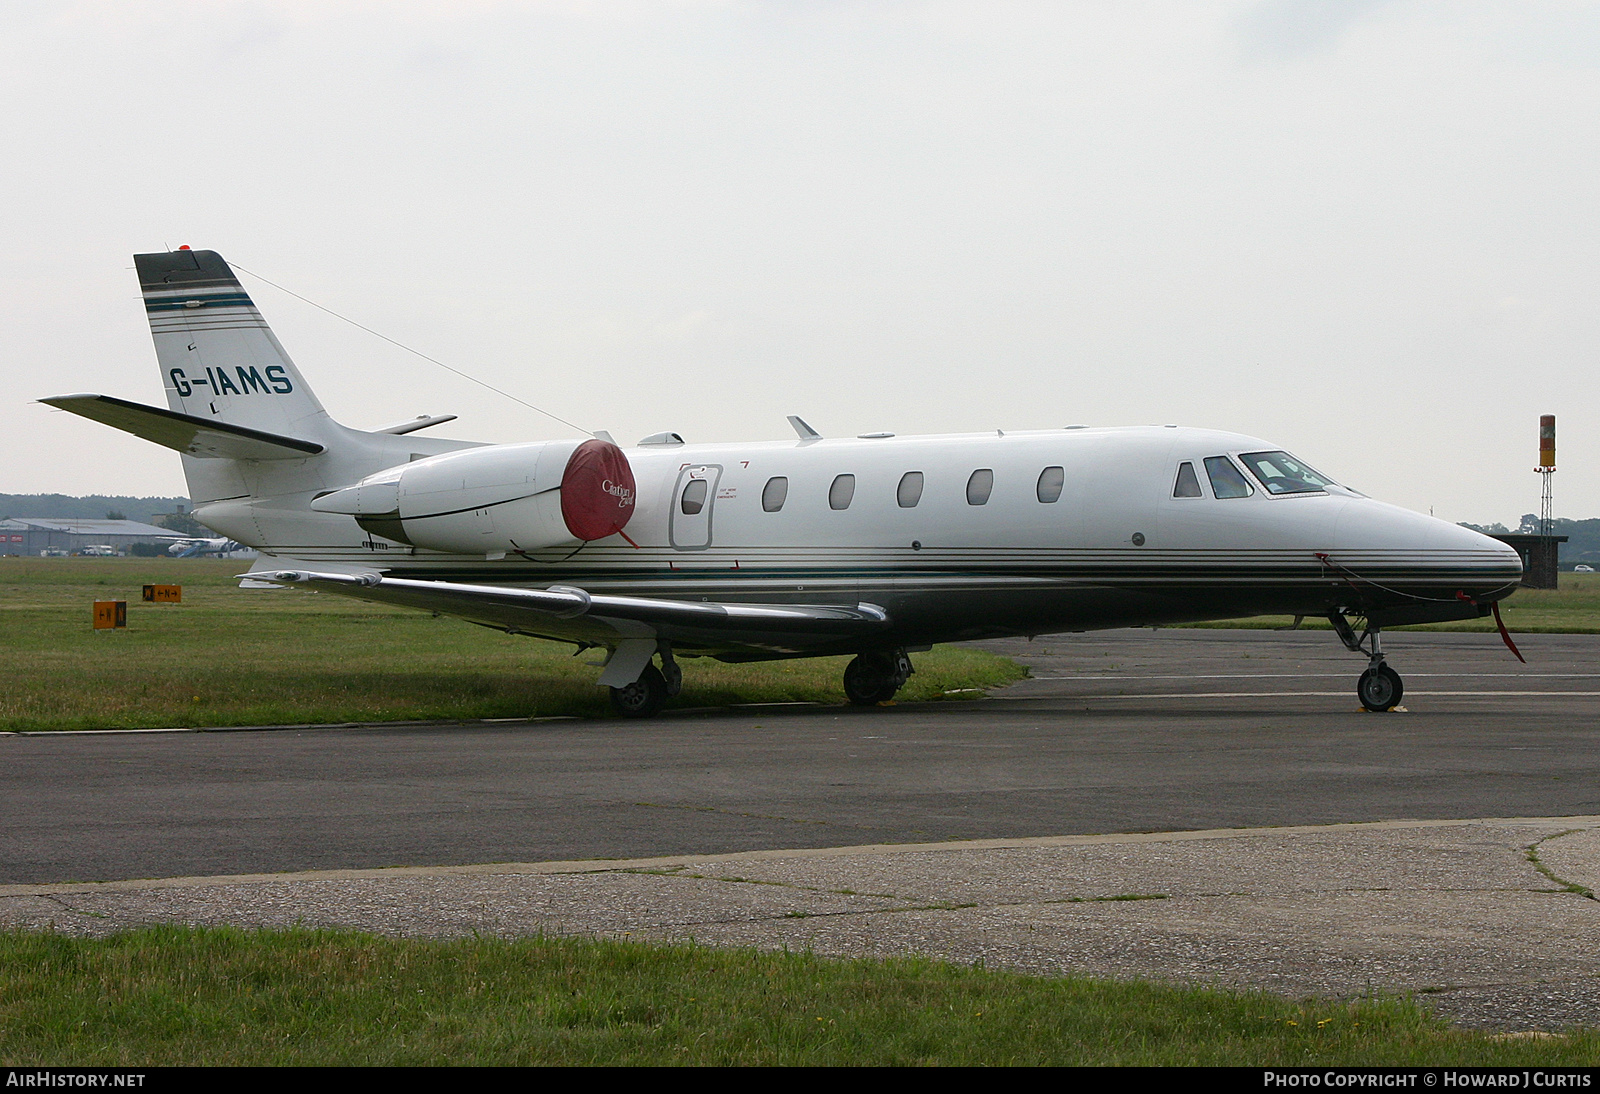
{"x": 597, "y": 491}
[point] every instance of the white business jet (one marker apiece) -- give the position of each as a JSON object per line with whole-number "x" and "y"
{"x": 200, "y": 546}
{"x": 876, "y": 546}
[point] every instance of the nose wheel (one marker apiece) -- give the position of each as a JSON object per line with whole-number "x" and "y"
{"x": 1380, "y": 687}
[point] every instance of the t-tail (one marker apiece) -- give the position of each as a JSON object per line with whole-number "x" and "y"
{"x": 219, "y": 359}
{"x": 257, "y": 444}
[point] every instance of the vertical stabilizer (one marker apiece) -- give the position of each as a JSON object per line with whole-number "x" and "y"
{"x": 218, "y": 358}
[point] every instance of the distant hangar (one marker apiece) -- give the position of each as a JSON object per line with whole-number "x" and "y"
{"x": 31, "y": 535}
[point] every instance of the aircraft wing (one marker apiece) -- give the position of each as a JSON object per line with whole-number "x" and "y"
{"x": 572, "y": 614}
{"x": 184, "y": 432}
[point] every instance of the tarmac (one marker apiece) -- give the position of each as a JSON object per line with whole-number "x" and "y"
{"x": 1493, "y": 923}
{"x": 1288, "y": 842}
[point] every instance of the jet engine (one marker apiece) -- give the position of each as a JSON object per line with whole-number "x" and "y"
{"x": 497, "y": 499}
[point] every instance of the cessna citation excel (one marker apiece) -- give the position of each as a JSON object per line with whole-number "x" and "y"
{"x": 876, "y": 546}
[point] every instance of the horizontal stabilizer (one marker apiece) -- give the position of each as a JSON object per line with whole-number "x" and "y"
{"x": 184, "y": 432}
{"x": 421, "y": 421}
{"x": 565, "y": 602}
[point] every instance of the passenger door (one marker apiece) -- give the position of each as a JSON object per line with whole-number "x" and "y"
{"x": 689, "y": 526}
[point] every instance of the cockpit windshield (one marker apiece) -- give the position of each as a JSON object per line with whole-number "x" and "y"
{"x": 1281, "y": 473}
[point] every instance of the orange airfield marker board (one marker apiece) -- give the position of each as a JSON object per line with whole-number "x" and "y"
{"x": 109, "y": 614}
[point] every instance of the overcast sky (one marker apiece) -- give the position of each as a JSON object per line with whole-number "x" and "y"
{"x": 1363, "y": 229}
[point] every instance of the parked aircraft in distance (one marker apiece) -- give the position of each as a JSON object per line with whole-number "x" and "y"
{"x": 876, "y": 546}
{"x": 200, "y": 546}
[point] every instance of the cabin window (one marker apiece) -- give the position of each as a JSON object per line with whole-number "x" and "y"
{"x": 1281, "y": 473}
{"x": 910, "y": 489}
{"x": 1188, "y": 484}
{"x": 979, "y": 486}
{"x": 694, "y": 497}
{"x": 1051, "y": 479}
{"x": 775, "y": 494}
{"x": 1227, "y": 481}
{"x": 842, "y": 490}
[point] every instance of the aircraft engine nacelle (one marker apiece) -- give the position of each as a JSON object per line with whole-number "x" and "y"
{"x": 498, "y": 498}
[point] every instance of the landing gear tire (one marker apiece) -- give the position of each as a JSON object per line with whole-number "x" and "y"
{"x": 1380, "y": 688}
{"x": 873, "y": 678}
{"x": 643, "y": 698}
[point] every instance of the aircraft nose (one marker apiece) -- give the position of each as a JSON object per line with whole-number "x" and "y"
{"x": 1466, "y": 539}
{"x": 1374, "y": 531}
{"x": 1368, "y": 525}
{"x": 1509, "y": 562}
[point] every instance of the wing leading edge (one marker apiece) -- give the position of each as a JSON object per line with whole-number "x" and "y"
{"x": 572, "y": 614}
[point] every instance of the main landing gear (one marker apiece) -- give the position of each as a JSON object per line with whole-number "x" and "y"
{"x": 1380, "y": 687}
{"x": 870, "y": 679}
{"x": 645, "y": 697}
{"x": 874, "y": 677}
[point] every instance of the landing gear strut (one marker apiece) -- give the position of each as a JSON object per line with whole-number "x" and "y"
{"x": 873, "y": 678}
{"x": 1380, "y": 687}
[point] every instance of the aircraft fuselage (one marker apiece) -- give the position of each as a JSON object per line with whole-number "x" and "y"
{"x": 1001, "y": 534}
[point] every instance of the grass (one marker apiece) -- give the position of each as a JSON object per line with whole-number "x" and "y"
{"x": 228, "y": 656}
{"x": 231, "y": 656}
{"x": 1574, "y": 608}
{"x": 183, "y": 996}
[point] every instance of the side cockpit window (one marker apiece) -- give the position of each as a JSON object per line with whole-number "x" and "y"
{"x": 1188, "y": 484}
{"x": 1227, "y": 481}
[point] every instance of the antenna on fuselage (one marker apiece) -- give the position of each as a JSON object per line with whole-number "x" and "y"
{"x": 805, "y": 432}
{"x": 410, "y": 350}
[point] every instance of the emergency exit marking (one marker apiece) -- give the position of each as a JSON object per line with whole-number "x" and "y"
{"x": 163, "y": 594}
{"x": 109, "y": 614}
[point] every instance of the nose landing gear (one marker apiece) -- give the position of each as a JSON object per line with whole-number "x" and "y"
{"x": 1380, "y": 687}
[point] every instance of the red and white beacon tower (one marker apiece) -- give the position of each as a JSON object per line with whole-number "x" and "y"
{"x": 1546, "y": 468}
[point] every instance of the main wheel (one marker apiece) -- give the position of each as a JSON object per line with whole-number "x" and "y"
{"x": 643, "y": 698}
{"x": 871, "y": 679}
{"x": 1380, "y": 688}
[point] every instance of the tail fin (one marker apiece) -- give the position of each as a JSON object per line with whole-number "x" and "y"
{"x": 257, "y": 445}
{"x": 219, "y": 360}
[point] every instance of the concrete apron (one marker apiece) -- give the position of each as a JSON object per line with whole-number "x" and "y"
{"x": 1493, "y": 922}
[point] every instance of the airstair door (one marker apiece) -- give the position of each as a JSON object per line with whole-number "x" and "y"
{"x": 689, "y": 527}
